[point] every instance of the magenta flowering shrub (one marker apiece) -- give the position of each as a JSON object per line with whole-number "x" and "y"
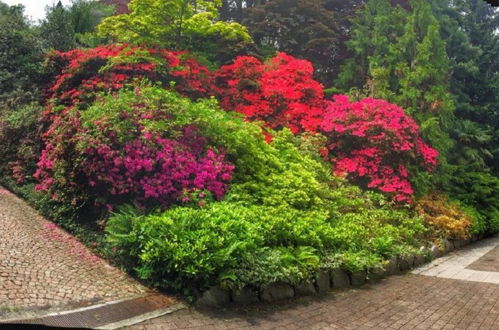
{"x": 108, "y": 154}
{"x": 145, "y": 169}
{"x": 156, "y": 168}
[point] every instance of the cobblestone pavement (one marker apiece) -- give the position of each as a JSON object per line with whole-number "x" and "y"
{"x": 42, "y": 267}
{"x": 410, "y": 301}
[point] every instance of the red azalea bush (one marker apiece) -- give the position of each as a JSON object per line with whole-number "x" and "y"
{"x": 84, "y": 72}
{"x": 280, "y": 92}
{"x": 374, "y": 142}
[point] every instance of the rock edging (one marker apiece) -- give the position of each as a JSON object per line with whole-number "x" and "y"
{"x": 326, "y": 280}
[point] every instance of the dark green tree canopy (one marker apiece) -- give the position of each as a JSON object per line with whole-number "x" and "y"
{"x": 65, "y": 28}
{"x": 20, "y": 51}
{"x": 57, "y": 29}
{"x": 472, "y": 44}
{"x": 311, "y": 29}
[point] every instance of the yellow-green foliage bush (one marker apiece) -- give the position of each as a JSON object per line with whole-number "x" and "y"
{"x": 444, "y": 218}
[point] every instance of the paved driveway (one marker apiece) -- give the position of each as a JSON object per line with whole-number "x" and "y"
{"x": 42, "y": 268}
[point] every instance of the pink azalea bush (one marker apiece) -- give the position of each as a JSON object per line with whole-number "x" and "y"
{"x": 112, "y": 156}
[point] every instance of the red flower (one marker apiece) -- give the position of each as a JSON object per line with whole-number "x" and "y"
{"x": 281, "y": 93}
{"x": 374, "y": 140}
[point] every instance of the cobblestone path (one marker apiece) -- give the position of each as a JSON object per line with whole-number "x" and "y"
{"x": 44, "y": 268}
{"x": 434, "y": 296}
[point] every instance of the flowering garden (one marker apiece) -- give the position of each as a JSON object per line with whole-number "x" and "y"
{"x": 191, "y": 173}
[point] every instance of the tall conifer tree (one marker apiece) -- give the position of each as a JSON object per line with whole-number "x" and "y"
{"x": 57, "y": 29}
{"x": 400, "y": 56}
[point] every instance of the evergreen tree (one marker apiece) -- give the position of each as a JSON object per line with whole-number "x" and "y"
{"x": 20, "y": 53}
{"x": 475, "y": 75}
{"x": 85, "y": 16}
{"x": 375, "y": 31}
{"x": 57, "y": 29}
{"x": 398, "y": 55}
{"x": 469, "y": 28}
{"x": 424, "y": 75}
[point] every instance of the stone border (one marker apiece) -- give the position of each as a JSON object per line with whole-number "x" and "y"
{"x": 327, "y": 280}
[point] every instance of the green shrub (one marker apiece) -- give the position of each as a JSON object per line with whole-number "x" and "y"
{"x": 186, "y": 246}
{"x": 478, "y": 190}
{"x": 235, "y": 245}
{"x": 20, "y": 141}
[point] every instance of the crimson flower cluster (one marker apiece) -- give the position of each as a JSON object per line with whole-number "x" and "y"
{"x": 85, "y": 72}
{"x": 280, "y": 92}
{"x": 373, "y": 141}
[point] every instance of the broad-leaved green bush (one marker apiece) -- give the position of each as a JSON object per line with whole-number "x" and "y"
{"x": 479, "y": 191}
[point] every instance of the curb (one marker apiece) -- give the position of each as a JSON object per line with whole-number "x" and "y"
{"x": 110, "y": 315}
{"x": 143, "y": 317}
{"x": 327, "y": 279}
{"x": 66, "y": 312}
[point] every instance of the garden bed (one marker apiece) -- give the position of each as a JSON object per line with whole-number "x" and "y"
{"x": 187, "y": 195}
